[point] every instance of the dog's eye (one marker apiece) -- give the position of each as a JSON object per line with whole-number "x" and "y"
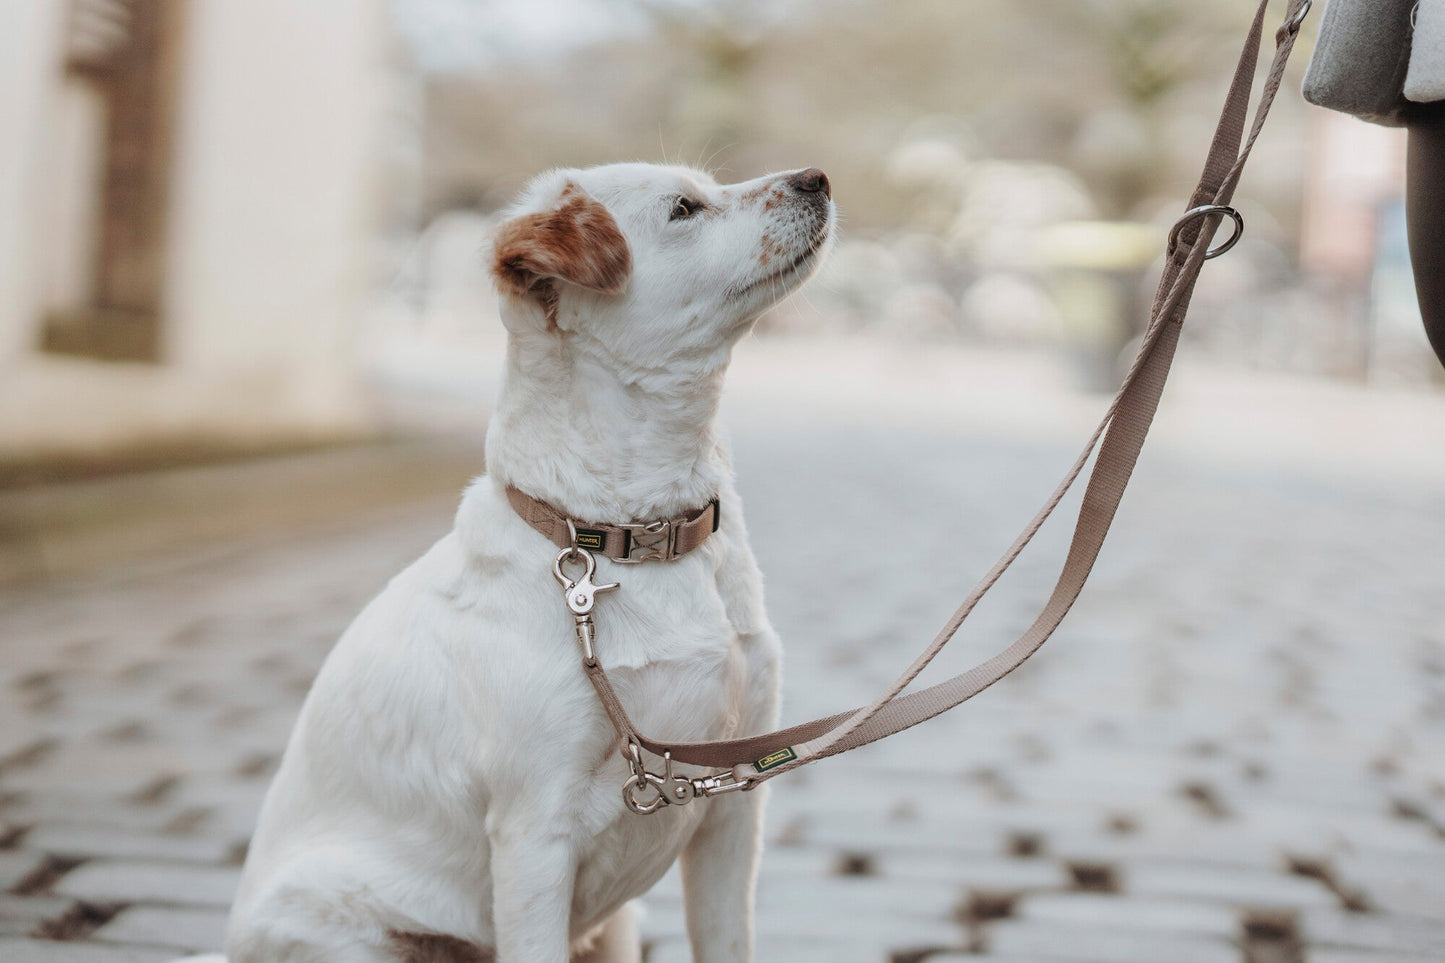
{"x": 685, "y": 207}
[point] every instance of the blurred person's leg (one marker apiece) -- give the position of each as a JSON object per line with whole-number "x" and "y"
{"x": 1425, "y": 209}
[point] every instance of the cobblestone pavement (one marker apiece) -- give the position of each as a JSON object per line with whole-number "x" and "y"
{"x": 1234, "y": 749}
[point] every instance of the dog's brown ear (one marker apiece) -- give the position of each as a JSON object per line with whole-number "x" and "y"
{"x": 578, "y": 241}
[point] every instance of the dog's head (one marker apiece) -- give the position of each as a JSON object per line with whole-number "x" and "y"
{"x": 650, "y": 261}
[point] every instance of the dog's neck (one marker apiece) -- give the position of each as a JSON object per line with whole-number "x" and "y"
{"x": 604, "y": 446}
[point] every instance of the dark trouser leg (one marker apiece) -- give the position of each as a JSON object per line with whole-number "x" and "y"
{"x": 1425, "y": 209}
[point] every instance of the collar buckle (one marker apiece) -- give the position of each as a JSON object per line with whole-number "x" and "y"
{"x": 649, "y": 541}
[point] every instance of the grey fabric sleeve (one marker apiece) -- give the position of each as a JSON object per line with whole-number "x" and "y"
{"x": 1425, "y": 83}
{"x": 1360, "y": 61}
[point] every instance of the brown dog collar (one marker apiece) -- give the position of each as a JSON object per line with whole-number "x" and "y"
{"x": 663, "y": 540}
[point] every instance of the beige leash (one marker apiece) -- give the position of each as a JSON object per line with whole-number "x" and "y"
{"x": 744, "y": 763}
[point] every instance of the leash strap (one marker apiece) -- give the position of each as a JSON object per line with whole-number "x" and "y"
{"x": 1123, "y": 429}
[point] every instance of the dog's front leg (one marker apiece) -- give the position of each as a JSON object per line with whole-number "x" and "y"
{"x": 532, "y": 875}
{"x": 719, "y": 877}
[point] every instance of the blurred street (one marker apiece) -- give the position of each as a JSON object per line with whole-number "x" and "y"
{"x": 1233, "y": 749}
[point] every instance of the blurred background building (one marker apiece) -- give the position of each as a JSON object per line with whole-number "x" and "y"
{"x": 240, "y": 225}
{"x": 188, "y": 192}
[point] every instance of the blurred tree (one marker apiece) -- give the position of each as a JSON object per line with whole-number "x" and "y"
{"x": 718, "y": 48}
{"x": 1152, "y": 49}
{"x": 1121, "y": 91}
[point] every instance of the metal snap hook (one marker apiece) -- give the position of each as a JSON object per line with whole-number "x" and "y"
{"x": 635, "y": 788}
{"x": 568, "y": 554}
{"x": 581, "y": 592}
{"x": 680, "y": 789}
{"x": 671, "y": 790}
{"x": 633, "y": 794}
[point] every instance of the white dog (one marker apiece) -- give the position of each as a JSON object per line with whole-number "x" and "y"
{"x": 451, "y": 790}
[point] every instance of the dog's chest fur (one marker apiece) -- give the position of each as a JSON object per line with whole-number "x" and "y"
{"x": 457, "y": 700}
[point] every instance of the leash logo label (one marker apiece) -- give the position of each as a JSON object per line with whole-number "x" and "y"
{"x": 775, "y": 759}
{"x": 591, "y": 539}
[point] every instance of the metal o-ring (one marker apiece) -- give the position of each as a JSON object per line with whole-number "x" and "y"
{"x": 1205, "y": 211}
{"x": 1298, "y": 19}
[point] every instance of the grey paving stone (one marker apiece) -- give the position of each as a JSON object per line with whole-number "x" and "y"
{"x": 852, "y": 831}
{"x": 669, "y": 887}
{"x": 869, "y": 788}
{"x": 772, "y": 946}
{"x": 674, "y": 950}
{"x": 789, "y": 861}
{"x": 114, "y": 843}
{"x": 878, "y": 912}
{"x": 16, "y": 865}
{"x": 19, "y": 914}
{"x": 1173, "y": 669}
{"x": 17, "y": 732}
{"x": 1373, "y": 931}
{"x": 55, "y": 804}
{"x": 97, "y": 771}
{"x": 191, "y": 930}
{"x": 139, "y": 882}
{"x": 793, "y": 908}
{"x": 987, "y": 958}
{"x": 1101, "y": 944}
{"x": 1314, "y": 786}
{"x": 974, "y": 871}
{"x": 823, "y": 899}
{"x": 46, "y": 951}
{"x": 1368, "y": 956}
{"x": 1410, "y": 883}
{"x": 792, "y": 950}
{"x": 808, "y": 951}
{"x": 1178, "y": 840}
{"x": 1130, "y": 912}
{"x": 991, "y": 820}
{"x": 662, "y": 919}
{"x": 1311, "y": 828}
{"x": 1234, "y": 885}
{"x": 1098, "y": 777}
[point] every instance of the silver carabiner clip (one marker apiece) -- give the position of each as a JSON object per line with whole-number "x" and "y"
{"x": 635, "y": 788}
{"x": 671, "y": 790}
{"x": 679, "y": 789}
{"x": 581, "y": 592}
{"x": 633, "y": 793}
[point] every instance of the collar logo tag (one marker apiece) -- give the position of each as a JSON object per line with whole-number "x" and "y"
{"x": 591, "y": 539}
{"x": 775, "y": 759}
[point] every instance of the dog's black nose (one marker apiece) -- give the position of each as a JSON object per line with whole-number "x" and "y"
{"x": 811, "y": 181}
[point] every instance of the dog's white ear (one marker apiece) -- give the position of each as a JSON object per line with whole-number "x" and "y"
{"x": 577, "y": 241}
